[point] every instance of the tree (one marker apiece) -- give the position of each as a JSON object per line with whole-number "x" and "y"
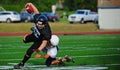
{"x": 17, "y": 5}
{"x": 80, "y": 4}
{"x": 45, "y": 5}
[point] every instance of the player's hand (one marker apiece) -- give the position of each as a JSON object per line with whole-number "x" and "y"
{"x": 31, "y": 8}
{"x": 37, "y": 55}
{"x": 24, "y": 38}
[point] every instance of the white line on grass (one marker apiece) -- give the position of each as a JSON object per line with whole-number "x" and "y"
{"x": 83, "y": 49}
{"x": 74, "y": 68}
{"x": 86, "y": 56}
{"x": 43, "y": 67}
{"x": 73, "y": 49}
{"x": 14, "y": 59}
{"x": 11, "y": 53}
{"x": 96, "y": 55}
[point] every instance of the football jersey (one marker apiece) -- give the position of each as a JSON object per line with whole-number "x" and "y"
{"x": 44, "y": 33}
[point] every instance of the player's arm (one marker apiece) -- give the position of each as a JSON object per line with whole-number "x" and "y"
{"x": 37, "y": 55}
{"x": 31, "y": 8}
{"x": 46, "y": 38}
{"x": 24, "y": 38}
{"x": 44, "y": 43}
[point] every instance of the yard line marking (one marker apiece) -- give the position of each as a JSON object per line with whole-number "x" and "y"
{"x": 10, "y": 52}
{"x": 73, "y": 68}
{"x": 96, "y": 55}
{"x": 53, "y": 65}
{"x": 12, "y": 47}
{"x": 93, "y": 48}
{"x": 75, "y": 49}
{"x": 90, "y": 49}
{"x": 14, "y": 59}
{"x": 5, "y": 67}
{"x": 43, "y": 67}
{"x": 85, "y": 56}
{"x": 86, "y": 48}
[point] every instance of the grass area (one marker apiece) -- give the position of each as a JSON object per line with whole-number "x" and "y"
{"x": 55, "y": 27}
{"x": 15, "y": 27}
{"x": 99, "y": 50}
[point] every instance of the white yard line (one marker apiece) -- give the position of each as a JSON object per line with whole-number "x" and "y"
{"x": 43, "y": 67}
{"x": 5, "y": 67}
{"x": 83, "y": 49}
{"x": 96, "y": 55}
{"x": 74, "y": 49}
{"x": 2, "y": 53}
{"x": 86, "y": 56}
{"x": 14, "y": 59}
{"x": 74, "y": 68}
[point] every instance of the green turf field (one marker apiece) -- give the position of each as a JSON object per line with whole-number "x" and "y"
{"x": 88, "y": 51}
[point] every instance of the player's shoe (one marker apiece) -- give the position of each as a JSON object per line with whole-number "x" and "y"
{"x": 61, "y": 63}
{"x": 19, "y": 66}
{"x": 69, "y": 59}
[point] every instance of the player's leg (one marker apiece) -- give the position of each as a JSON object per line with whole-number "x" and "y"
{"x": 27, "y": 56}
{"x": 52, "y": 53}
{"x": 68, "y": 59}
{"x": 60, "y": 61}
{"x": 50, "y": 56}
{"x": 54, "y": 62}
{"x": 49, "y": 60}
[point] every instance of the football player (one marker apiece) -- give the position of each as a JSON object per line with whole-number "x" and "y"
{"x": 51, "y": 51}
{"x": 40, "y": 35}
{"x": 42, "y": 40}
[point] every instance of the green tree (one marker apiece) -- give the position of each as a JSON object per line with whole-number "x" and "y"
{"x": 17, "y": 5}
{"x": 45, "y": 5}
{"x": 72, "y": 5}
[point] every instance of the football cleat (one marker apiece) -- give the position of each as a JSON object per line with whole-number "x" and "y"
{"x": 69, "y": 59}
{"x": 61, "y": 63}
{"x": 19, "y": 66}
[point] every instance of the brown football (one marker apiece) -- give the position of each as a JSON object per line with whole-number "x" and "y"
{"x": 29, "y": 8}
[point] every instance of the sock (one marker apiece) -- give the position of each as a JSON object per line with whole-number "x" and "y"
{"x": 26, "y": 57}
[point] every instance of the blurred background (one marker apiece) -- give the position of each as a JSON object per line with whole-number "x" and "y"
{"x": 63, "y": 8}
{"x": 91, "y": 44}
{"x": 45, "y": 6}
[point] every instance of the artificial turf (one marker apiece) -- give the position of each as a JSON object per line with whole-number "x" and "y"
{"x": 99, "y": 50}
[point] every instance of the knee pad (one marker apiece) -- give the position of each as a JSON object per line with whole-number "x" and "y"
{"x": 49, "y": 61}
